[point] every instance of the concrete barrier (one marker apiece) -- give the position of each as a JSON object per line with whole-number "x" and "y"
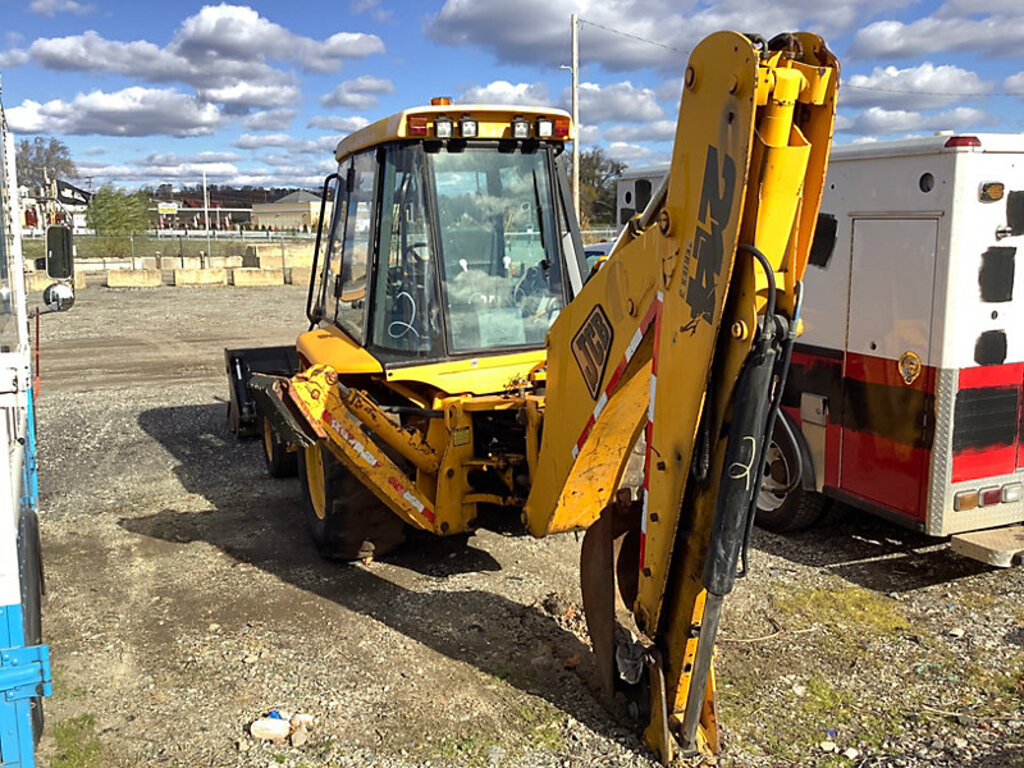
{"x": 250, "y": 276}
{"x": 212, "y": 276}
{"x": 134, "y": 278}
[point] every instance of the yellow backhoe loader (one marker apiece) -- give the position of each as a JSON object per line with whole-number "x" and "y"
{"x": 462, "y": 356}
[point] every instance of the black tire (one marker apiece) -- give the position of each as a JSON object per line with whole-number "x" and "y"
{"x": 30, "y": 561}
{"x": 280, "y": 461}
{"x": 782, "y": 508}
{"x": 345, "y": 520}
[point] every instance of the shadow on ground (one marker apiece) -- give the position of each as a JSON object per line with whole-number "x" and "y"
{"x": 260, "y": 524}
{"x": 872, "y": 553}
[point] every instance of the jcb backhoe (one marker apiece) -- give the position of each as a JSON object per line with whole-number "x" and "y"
{"x": 461, "y": 355}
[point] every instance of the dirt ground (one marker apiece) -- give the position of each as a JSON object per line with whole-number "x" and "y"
{"x": 185, "y": 600}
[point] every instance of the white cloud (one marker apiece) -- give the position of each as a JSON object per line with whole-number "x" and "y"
{"x": 15, "y": 57}
{"x": 922, "y": 87}
{"x": 252, "y": 141}
{"x": 537, "y": 31}
{"x": 337, "y": 123}
{"x": 223, "y": 51}
{"x": 658, "y": 130}
{"x": 876, "y": 121}
{"x": 240, "y": 33}
{"x": 621, "y": 150}
{"x": 94, "y": 151}
{"x": 360, "y": 93}
{"x": 619, "y": 102}
{"x": 589, "y": 134}
{"x": 156, "y": 160}
{"x": 52, "y": 7}
{"x": 1015, "y": 84}
{"x": 252, "y": 95}
{"x": 129, "y": 112}
{"x": 504, "y": 92}
{"x": 997, "y": 32}
{"x": 270, "y": 120}
{"x": 373, "y": 7}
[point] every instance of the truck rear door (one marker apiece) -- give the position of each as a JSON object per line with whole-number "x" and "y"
{"x": 887, "y": 406}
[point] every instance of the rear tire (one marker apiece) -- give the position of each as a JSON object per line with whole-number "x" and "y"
{"x": 280, "y": 461}
{"x": 345, "y": 520}
{"x": 31, "y": 564}
{"x": 782, "y": 508}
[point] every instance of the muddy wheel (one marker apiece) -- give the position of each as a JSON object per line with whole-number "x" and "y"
{"x": 781, "y": 507}
{"x": 280, "y": 461}
{"x": 345, "y": 520}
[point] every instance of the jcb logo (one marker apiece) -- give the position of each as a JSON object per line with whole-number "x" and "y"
{"x": 591, "y": 346}
{"x": 708, "y": 249}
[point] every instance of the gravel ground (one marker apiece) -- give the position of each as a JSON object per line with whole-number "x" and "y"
{"x": 185, "y": 601}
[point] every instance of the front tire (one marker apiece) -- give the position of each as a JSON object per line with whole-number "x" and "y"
{"x": 280, "y": 461}
{"x": 782, "y": 505}
{"x": 345, "y": 520}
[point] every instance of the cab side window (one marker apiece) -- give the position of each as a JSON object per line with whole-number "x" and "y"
{"x": 352, "y": 234}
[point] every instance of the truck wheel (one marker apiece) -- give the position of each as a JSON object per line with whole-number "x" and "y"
{"x": 31, "y": 564}
{"x": 280, "y": 461}
{"x": 782, "y": 508}
{"x": 345, "y": 519}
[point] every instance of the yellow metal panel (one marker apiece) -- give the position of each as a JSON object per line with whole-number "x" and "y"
{"x": 482, "y": 375}
{"x": 330, "y": 346}
{"x": 706, "y": 185}
{"x": 324, "y": 410}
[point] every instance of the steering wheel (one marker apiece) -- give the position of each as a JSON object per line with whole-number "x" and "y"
{"x": 410, "y": 250}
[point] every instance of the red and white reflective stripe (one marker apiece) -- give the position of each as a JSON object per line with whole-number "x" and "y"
{"x": 349, "y": 438}
{"x": 411, "y": 499}
{"x": 631, "y": 348}
{"x": 649, "y": 430}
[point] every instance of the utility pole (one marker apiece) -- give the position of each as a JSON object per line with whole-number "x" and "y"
{"x": 575, "y": 22}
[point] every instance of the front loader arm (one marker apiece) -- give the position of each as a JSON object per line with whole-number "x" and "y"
{"x": 684, "y": 335}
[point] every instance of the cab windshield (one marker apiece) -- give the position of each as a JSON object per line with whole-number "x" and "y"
{"x": 499, "y": 266}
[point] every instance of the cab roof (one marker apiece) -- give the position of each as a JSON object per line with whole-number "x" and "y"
{"x": 495, "y": 122}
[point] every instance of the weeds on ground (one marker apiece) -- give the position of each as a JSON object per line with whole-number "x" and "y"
{"x": 77, "y": 745}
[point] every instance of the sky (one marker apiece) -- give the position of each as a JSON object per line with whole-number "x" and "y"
{"x": 152, "y": 93}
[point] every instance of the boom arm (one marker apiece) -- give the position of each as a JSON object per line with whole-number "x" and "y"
{"x": 684, "y": 336}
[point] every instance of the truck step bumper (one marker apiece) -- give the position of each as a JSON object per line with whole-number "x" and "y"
{"x": 1001, "y": 547}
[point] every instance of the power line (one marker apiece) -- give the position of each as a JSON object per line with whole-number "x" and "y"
{"x": 631, "y": 36}
{"x": 962, "y": 95}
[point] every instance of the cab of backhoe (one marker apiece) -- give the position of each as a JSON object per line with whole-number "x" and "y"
{"x": 452, "y": 238}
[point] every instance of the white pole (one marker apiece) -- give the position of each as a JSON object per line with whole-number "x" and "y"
{"x": 575, "y": 22}
{"x": 206, "y": 210}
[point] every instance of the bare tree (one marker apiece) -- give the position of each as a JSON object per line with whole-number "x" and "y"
{"x": 43, "y": 160}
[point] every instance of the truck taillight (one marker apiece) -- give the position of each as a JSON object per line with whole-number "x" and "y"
{"x": 990, "y": 496}
{"x": 562, "y": 128}
{"x": 965, "y": 500}
{"x": 962, "y": 141}
{"x": 1013, "y": 492}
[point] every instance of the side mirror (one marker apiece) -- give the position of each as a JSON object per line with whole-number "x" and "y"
{"x": 59, "y": 257}
{"x": 59, "y": 297}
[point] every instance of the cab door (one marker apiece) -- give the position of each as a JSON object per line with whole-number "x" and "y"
{"x": 888, "y": 388}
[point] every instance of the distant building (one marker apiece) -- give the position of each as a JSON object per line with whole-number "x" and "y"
{"x": 293, "y": 211}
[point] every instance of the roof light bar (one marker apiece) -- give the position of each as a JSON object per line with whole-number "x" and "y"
{"x": 545, "y": 128}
